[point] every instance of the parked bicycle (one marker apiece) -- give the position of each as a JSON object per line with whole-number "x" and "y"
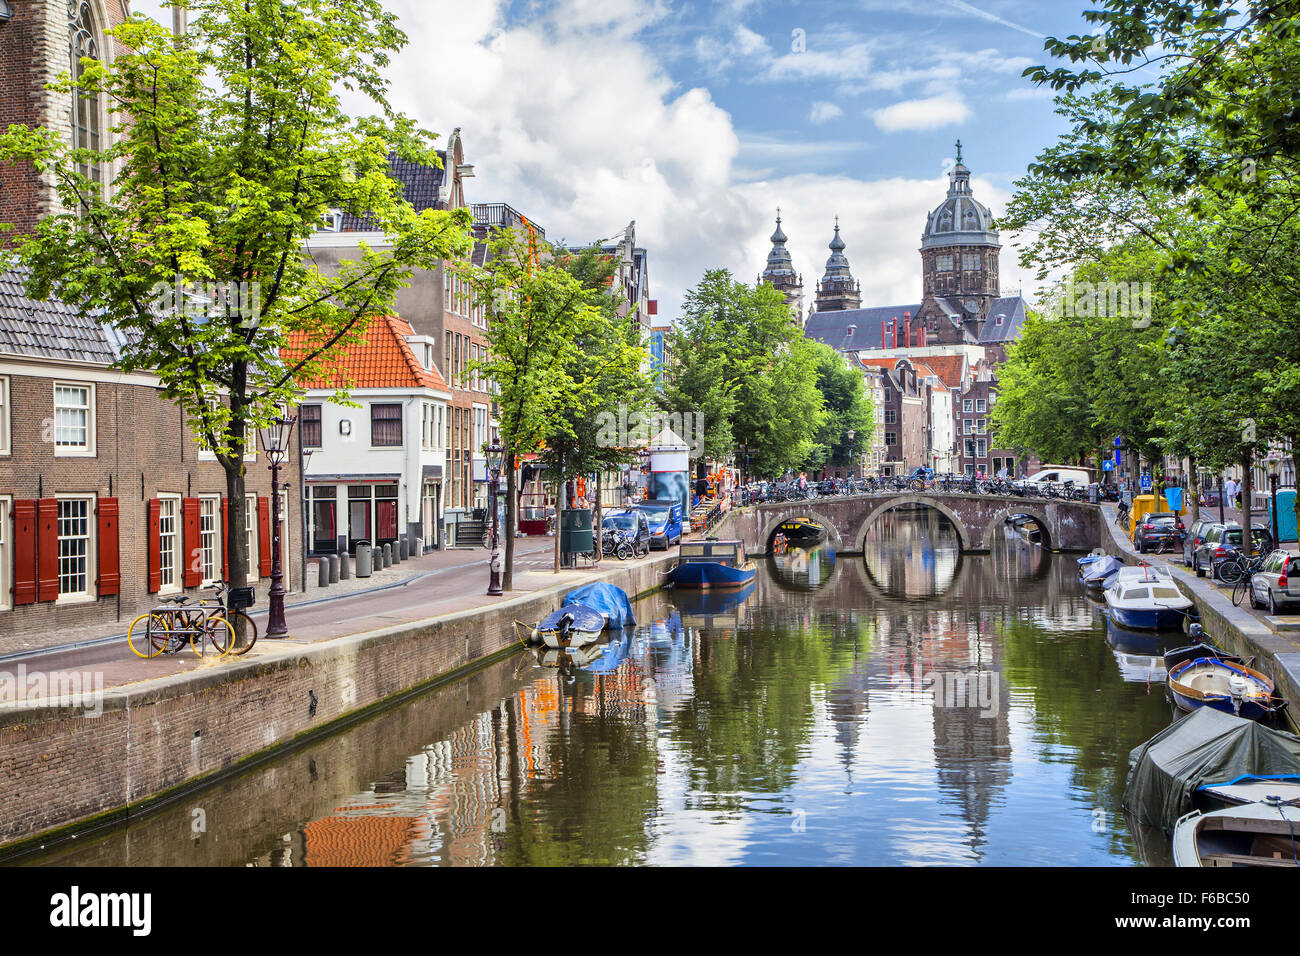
{"x": 175, "y": 622}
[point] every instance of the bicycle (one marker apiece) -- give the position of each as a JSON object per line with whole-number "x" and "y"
{"x": 1236, "y": 570}
{"x": 168, "y": 625}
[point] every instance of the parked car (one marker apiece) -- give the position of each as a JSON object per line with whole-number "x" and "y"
{"x": 1277, "y": 586}
{"x": 1221, "y": 540}
{"x": 1194, "y": 539}
{"x": 1057, "y": 476}
{"x": 665, "y": 518}
{"x": 1155, "y": 528}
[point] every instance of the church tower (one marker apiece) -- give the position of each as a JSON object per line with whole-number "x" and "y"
{"x": 837, "y": 290}
{"x": 39, "y": 40}
{"x": 780, "y": 272}
{"x": 959, "y": 263}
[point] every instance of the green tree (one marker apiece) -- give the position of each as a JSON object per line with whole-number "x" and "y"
{"x": 847, "y": 406}
{"x": 229, "y": 145}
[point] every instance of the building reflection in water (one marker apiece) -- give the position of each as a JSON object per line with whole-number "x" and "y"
{"x": 908, "y": 706}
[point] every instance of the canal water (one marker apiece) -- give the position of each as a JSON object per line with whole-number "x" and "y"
{"x": 912, "y": 706}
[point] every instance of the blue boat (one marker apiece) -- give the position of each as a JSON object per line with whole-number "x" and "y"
{"x": 713, "y": 564}
{"x": 1225, "y": 686}
{"x": 1154, "y": 605}
{"x": 1097, "y": 574}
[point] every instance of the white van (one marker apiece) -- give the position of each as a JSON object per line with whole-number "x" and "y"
{"x": 1056, "y": 474}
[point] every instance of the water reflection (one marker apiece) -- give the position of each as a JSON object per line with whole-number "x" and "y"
{"x": 914, "y": 708}
{"x": 804, "y": 568}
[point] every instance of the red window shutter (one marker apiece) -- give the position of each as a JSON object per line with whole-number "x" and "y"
{"x": 106, "y": 537}
{"x": 47, "y": 549}
{"x": 264, "y": 537}
{"x": 225, "y": 539}
{"x": 193, "y": 575}
{"x": 24, "y": 587}
{"x": 154, "y": 546}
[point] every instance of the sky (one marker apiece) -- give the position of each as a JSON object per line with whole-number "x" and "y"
{"x": 698, "y": 119}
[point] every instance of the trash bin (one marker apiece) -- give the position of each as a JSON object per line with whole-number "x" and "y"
{"x": 575, "y": 532}
{"x": 365, "y": 559}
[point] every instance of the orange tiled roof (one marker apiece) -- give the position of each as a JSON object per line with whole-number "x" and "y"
{"x": 381, "y": 358}
{"x": 947, "y": 367}
{"x": 887, "y": 363}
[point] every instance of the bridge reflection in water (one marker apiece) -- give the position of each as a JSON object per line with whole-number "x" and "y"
{"x": 908, "y": 706}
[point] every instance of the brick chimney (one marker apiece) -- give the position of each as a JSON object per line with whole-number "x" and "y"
{"x": 907, "y": 330}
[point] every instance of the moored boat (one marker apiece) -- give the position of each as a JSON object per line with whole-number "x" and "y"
{"x": 713, "y": 564}
{"x": 570, "y": 626}
{"x": 1248, "y": 788}
{"x": 1148, "y": 605}
{"x": 802, "y": 532}
{"x": 1223, "y": 685}
{"x": 1254, "y": 834}
{"x": 1098, "y": 574}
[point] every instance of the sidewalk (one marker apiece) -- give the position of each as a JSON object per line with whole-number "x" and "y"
{"x": 429, "y": 587}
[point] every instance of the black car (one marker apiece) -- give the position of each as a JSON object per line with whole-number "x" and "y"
{"x": 1156, "y": 529}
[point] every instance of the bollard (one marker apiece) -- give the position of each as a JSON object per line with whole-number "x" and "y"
{"x": 365, "y": 559}
{"x": 345, "y": 566}
{"x": 324, "y": 572}
{"x": 387, "y": 556}
{"x": 397, "y": 554}
{"x": 403, "y": 549}
{"x": 334, "y": 569}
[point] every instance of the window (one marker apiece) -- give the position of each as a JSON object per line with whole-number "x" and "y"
{"x": 4, "y": 417}
{"x": 429, "y": 427}
{"x": 943, "y": 263}
{"x": 446, "y": 291}
{"x": 5, "y": 505}
{"x": 446, "y": 360}
{"x": 979, "y": 426}
{"x": 74, "y": 546}
{"x": 970, "y": 261}
{"x": 169, "y": 541}
{"x": 250, "y": 535}
{"x": 891, "y": 416}
{"x": 310, "y": 433}
{"x": 74, "y": 419}
{"x": 209, "y": 538}
{"x": 83, "y": 41}
{"x": 980, "y": 406}
{"x": 967, "y": 405}
{"x": 966, "y": 426}
{"x": 891, "y": 438}
{"x": 385, "y": 425}
{"x": 981, "y": 447}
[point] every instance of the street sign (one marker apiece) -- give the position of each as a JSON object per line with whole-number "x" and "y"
{"x": 1145, "y": 482}
{"x": 1119, "y": 443}
{"x": 1107, "y": 465}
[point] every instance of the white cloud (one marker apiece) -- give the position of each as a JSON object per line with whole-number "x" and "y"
{"x": 823, "y": 112}
{"x": 945, "y": 109}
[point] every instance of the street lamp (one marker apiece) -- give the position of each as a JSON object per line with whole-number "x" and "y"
{"x": 275, "y": 439}
{"x": 1274, "y": 472}
{"x": 852, "y": 464}
{"x": 494, "y": 454}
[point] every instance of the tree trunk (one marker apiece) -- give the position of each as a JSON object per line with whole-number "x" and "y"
{"x": 512, "y": 519}
{"x": 1193, "y": 491}
{"x": 1247, "y": 480}
{"x": 559, "y": 511}
{"x": 236, "y": 543}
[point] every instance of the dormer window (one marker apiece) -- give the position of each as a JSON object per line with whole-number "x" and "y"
{"x": 332, "y": 221}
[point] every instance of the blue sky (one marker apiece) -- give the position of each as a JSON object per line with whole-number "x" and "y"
{"x": 696, "y": 119}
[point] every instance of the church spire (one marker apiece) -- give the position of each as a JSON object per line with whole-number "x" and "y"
{"x": 837, "y": 289}
{"x": 780, "y": 271}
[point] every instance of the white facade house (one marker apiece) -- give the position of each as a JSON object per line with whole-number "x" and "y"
{"x": 375, "y": 466}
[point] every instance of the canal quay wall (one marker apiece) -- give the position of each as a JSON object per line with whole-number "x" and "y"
{"x": 1233, "y": 628}
{"x": 72, "y": 769}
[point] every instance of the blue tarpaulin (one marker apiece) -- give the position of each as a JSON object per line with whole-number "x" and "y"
{"x": 608, "y": 600}
{"x": 1175, "y": 498}
{"x": 1100, "y": 569}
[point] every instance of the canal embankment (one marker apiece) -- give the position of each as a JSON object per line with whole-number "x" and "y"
{"x": 1276, "y": 648}
{"x": 98, "y": 758}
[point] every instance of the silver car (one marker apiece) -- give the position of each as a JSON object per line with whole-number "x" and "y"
{"x": 1277, "y": 585}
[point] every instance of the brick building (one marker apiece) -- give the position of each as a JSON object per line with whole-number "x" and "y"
{"x": 106, "y": 501}
{"x": 43, "y": 39}
{"x": 438, "y": 305}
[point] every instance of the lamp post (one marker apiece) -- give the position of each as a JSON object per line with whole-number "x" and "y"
{"x": 1274, "y": 472}
{"x": 275, "y": 439}
{"x": 494, "y": 453}
{"x": 852, "y": 464}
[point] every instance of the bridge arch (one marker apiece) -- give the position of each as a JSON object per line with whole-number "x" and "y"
{"x": 833, "y": 535}
{"x": 913, "y": 498}
{"x": 1020, "y": 508}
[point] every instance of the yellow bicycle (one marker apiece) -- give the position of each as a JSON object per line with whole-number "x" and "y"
{"x": 166, "y": 629}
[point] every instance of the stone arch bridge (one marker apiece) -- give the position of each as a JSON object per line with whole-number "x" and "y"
{"x": 1066, "y": 525}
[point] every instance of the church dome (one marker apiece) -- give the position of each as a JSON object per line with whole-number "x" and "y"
{"x": 780, "y": 265}
{"x": 961, "y": 219}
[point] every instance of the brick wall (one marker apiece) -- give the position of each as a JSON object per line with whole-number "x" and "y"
{"x": 62, "y": 765}
{"x": 33, "y": 52}
{"x": 143, "y": 449}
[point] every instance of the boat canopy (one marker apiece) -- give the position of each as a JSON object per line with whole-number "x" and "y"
{"x": 1205, "y": 747}
{"x": 607, "y": 599}
{"x": 730, "y": 553}
{"x": 1102, "y": 569}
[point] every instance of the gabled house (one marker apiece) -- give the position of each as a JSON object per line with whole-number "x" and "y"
{"x": 375, "y": 467}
